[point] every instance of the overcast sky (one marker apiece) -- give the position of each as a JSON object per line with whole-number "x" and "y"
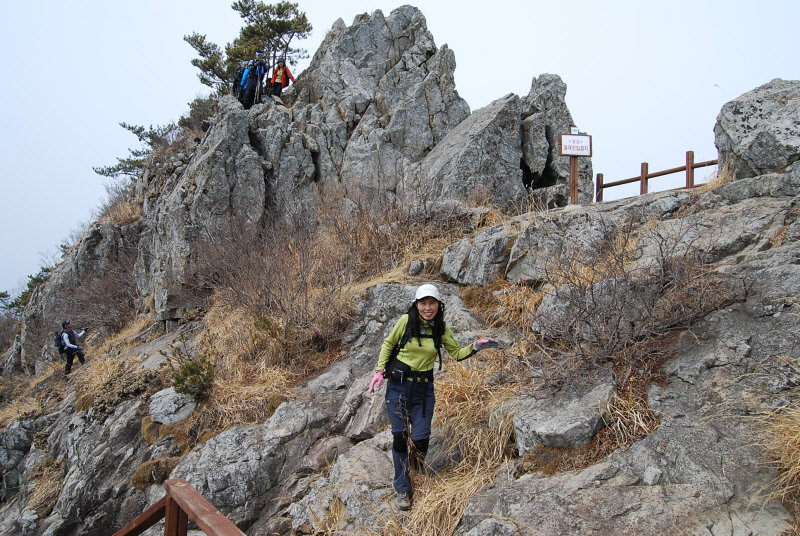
{"x": 645, "y": 79}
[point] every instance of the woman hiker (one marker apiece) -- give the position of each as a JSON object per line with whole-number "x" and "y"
{"x": 406, "y": 361}
{"x": 280, "y": 78}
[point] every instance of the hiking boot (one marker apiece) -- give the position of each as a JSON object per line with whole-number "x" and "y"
{"x": 402, "y": 501}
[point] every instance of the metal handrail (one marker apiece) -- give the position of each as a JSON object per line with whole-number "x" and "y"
{"x": 181, "y": 503}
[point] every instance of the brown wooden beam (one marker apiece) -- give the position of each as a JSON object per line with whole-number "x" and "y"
{"x": 198, "y": 509}
{"x": 145, "y": 520}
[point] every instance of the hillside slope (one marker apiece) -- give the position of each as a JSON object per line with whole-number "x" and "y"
{"x": 646, "y": 341}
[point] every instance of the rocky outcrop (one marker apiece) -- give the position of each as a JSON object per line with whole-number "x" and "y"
{"x": 103, "y": 248}
{"x": 569, "y": 418}
{"x": 545, "y": 116}
{"x": 759, "y": 132}
{"x": 376, "y": 119}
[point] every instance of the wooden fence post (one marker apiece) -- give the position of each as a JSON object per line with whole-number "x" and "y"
{"x": 689, "y": 169}
{"x": 573, "y": 180}
{"x": 643, "y": 179}
{"x": 599, "y": 189}
{"x": 176, "y": 522}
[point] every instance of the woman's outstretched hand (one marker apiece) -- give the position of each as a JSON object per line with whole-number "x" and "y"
{"x": 482, "y": 344}
{"x": 377, "y": 378}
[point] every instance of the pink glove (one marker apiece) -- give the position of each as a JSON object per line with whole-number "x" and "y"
{"x": 377, "y": 378}
{"x": 482, "y": 344}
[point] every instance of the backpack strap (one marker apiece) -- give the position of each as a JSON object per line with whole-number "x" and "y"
{"x": 437, "y": 343}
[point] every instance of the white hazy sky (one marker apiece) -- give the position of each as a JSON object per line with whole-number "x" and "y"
{"x": 645, "y": 79}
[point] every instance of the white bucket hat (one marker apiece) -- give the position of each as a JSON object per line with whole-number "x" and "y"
{"x": 427, "y": 290}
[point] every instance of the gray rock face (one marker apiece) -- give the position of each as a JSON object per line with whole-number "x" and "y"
{"x": 545, "y": 116}
{"x": 375, "y": 118}
{"x": 479, "y": 158}
{"x": 240, "y": 470}
{"x": 569, "y": 419}
{"x": 759, "y": 132}
{"x": 102, "y": 248}
{"x": 167, "y": 406}
{"x": 15, "y": 442}
{"x": 377, "y": 113}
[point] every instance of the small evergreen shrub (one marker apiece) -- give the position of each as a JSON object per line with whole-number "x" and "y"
{"x": 194, "y": 377}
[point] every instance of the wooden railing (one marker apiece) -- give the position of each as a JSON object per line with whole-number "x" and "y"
{"x": 181, "y": 503}
{"x": 645, "y": 176}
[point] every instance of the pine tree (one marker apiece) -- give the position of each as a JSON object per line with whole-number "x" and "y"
{"x": 270, "y": 28}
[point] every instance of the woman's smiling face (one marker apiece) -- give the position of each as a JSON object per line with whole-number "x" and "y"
{"x": 428, "y": 307}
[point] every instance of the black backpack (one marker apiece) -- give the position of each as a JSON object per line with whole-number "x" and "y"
{"x": 59, "y": 342}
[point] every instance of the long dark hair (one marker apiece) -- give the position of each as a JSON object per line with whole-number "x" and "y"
{"x": 438, "y": 324}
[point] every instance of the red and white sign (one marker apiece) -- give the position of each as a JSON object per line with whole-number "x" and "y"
{"x": 574, "y": 145}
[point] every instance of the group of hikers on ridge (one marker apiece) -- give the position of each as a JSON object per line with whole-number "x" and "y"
{"x": 249, "y": 81}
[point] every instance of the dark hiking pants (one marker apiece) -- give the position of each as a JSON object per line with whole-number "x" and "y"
{"x": 71, "y": 353}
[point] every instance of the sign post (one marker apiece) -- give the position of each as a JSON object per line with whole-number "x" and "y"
{"x": 574, "y": 145}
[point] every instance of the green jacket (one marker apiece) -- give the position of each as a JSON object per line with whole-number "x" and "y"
{"x": 420, "y": 358}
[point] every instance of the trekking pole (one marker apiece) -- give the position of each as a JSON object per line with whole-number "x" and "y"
{"x": 258, "y": 84}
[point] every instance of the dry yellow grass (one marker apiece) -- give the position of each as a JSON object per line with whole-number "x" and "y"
{"x": 720, "y": 178}
{"x": 247, "y": 387}
{"x": 18, "y": 409}
{"x": 123, "y": 212}
{"x": 123, "y": 339}
{"x": 20, "y": 392}
{"x": 468, "y": 410}
{"x": 46, "y": 481}
{"x": 629, "y": 418}
{"x": 92, "y": 379}
{"x": 154, "y": 471}
{"x": 780, "y": 436}
{"x": 503, "y": 303}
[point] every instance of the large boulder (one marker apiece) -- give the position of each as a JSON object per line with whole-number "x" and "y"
{"x": 759, "y": 132}
{"x": 545, "y": 116}
{"x": 478, "y": 161}
{"x": 568, "y": 419}
{"x": 238, "y": 469}
{"x": 168, "y": 406}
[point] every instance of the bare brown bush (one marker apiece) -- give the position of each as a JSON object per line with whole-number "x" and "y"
{"x": 108, "y": 298}
{"x": 376, "y": 237}
{"x": 614, "y": 299}
{"x": 294, "y": 293}
{"x": 121, "y": 206}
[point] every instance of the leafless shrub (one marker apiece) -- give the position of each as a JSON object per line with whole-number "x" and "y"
{"x": 719, "y": 178}
{"x": 292, "y": 291}
{"x": 121, "y": 206}
{"x": 108, "y": 298}
{"x": 618, "y": 297}
{"x": 375, "y": 236}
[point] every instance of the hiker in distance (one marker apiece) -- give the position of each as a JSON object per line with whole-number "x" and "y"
{"x": 252, "y": 78}
{"x": 280, "y": 78}
{"x": 71, "y": 347}
{"x": 406, "y": 361}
